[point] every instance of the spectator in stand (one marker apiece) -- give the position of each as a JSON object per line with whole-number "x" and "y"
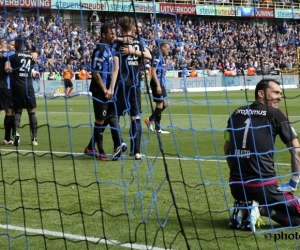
{"x": 250, "y": 70}
{"x": 203, "y": 44}
{"x": 51, "y": 76}
{"x": 231, "y": 69}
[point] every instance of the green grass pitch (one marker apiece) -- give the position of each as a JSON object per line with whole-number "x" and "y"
{"x": 53, "y": 188}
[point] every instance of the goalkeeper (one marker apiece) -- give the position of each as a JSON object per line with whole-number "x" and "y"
{"x": 249, "y": 148}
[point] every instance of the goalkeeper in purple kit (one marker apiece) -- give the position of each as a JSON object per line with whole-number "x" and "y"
{"x": 249, "y": 149}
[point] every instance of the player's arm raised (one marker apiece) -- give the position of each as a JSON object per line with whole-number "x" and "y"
{"x": 34, "y": 56}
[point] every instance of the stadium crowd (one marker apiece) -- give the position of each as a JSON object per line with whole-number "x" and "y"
{"x": 195, "y": 44}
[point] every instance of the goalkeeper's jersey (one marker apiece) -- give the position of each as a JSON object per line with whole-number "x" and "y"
{"x": 253, "y": 130}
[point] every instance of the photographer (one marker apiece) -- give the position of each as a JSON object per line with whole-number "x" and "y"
{"x": 94, "y": 20}
{"x": 94, "y": 17}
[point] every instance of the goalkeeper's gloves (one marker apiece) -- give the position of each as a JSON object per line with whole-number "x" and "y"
{"x": 291, "y": 186}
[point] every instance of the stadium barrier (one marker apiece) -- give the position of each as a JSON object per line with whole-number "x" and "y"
{"x": 220, "y": 83}
{"x": 178, "y": 73}
{"x": 175, "y": 84}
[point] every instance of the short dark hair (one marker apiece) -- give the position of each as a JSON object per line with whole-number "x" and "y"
{"x": 125, "y": 23}
{"x": 263, "y": 85}
{"x": 105, "y": 28}
{"x": 20, "y": 43}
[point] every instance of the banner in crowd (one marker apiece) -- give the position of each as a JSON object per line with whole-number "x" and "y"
{"x": 140, "y": 7}
{"x": 173, "y": 84}
{"x": 255, "y": 12}
{"x": 55, "y": 88}
{"x": 151, "y": 7}
{"x": 26, "y": 3}
{"x": 287, "y": 13}
{"x": 171, "y": 73}
{"x": 234, "y": 11}
{"x": 95, "y": 5}
{"x": 211, "y": 83}
{"x": 216, "y": 11}
{"x": 286, "y": 80}
{"x": 79, "y": 5}
{"x": 177, "y": 8}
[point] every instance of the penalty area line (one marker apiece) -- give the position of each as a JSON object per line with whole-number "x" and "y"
{"x": 79, "y": 237}
{"x": 124, "y": 156}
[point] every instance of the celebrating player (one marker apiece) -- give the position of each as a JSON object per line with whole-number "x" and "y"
{"x": 21, "y": 67}
{"x": 102, "y": 87}
{"x": 129, "y": 55}
{"x": 157, "y": 85}
{"x": 6, "y": 101}
{"x": 249, "y": 147}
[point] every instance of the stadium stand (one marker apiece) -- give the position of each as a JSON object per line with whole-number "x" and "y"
{"x": 203, "y": 44}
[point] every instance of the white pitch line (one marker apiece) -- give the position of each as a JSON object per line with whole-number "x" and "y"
{"x": 172, "y": 114}
{"x": 79, "y": 237}
{"x": 79, "y": 154}
{"x": 82, "y": 113}
{"x": 149, "y": 157}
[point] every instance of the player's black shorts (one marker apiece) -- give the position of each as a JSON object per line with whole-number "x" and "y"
{"x": 158, "y": 97}
{"x": 102, "y": 106}
{"x": 128, "y": 100}
{"x": 68, "y": 83}
{"x": 267, "y": 195}
{"x": 23, "y": 97}
{"x": 6, "y": 101}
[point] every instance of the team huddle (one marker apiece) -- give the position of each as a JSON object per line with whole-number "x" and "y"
{"x": 17, "y": 93}
{"x": 115, "y": 87}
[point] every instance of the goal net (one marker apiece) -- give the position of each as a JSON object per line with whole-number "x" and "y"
{"x": 53, "y": 196}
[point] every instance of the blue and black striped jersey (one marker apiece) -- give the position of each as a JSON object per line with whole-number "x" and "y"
{"x": 102, "y": 62}
{"x": 159, "y": 63}
{"x": 130, "y": 65}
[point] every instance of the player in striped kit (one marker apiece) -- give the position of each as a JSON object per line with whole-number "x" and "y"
{"x": 157, "y": 85}
{"x": 102, "y": 86}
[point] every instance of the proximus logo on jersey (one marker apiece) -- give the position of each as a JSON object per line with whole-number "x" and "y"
{"x": 250, "y": 112}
